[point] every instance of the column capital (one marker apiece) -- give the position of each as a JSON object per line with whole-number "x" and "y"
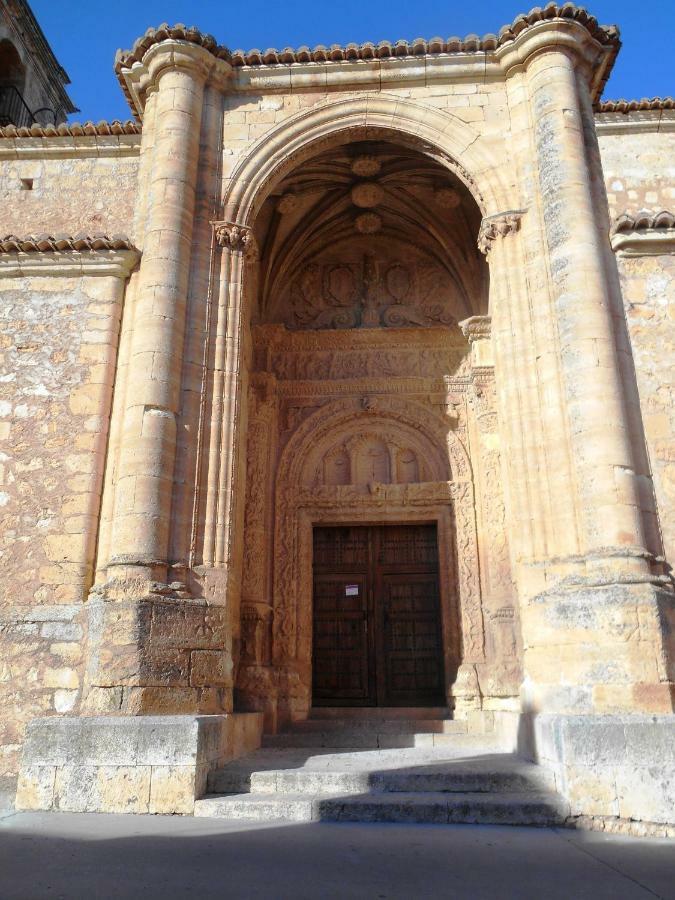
{"x": 140, "y": 70}
{"x": 476, "y": 328}
{"x": 236, "y": 238}
{"x": 499, "y": 225}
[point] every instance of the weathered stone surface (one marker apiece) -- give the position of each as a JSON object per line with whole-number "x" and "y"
{"x": 141, "y": 764}
{"x": 404, "y": 310}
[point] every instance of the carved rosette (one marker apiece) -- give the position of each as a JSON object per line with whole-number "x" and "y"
{"x": 498, "y": 226}
{"x": 236, "y": 238}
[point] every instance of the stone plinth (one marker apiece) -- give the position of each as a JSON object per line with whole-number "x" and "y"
{"x": 144, "y": 764}
{"x": 611, "y": 767}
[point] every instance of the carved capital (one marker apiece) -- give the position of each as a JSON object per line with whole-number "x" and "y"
{"x": 236, "y": 238}
{"x": 498, "y": 226}
{"x": 476, "y": 328}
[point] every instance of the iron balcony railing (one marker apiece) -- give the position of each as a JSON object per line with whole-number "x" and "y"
{"x": 13, "y": 109}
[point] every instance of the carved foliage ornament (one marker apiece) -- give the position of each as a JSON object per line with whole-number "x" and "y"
{"x": 498, "y": 226}
{"x": 237, "y": 238}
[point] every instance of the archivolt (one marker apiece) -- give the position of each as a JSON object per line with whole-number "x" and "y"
{"x": 435, "y": 132}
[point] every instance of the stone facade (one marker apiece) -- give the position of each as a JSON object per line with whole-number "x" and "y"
{"x": 377, "y": 284}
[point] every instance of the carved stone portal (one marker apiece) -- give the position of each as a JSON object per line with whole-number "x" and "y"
{"x": 376, "y": 409}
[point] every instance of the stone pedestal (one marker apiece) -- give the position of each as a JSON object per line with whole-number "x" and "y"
{"x": 614, "y": 770}
{"x": 143, "y": 764}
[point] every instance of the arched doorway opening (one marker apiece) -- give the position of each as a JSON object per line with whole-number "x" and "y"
{"x": 13, "y": 108}
{"x": 368, "y": 263}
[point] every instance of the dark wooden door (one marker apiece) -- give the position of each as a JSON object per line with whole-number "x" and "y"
{"x": 377, "y": 634}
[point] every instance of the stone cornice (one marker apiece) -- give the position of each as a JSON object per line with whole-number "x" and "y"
{"x": 114, "y": 138}
{"x": 64, "y": 255}
{"x": 279, "y": 63}
{"x": 184, "y": 45}
{"x": 635, "y": 121}
{"x": 644, "y": 233}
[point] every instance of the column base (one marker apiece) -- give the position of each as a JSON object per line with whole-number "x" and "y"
{"x": 618, "y": 768}
{"x": 599, "y": 648}
{"x": 156, "y": 652}
{"x": 126, "y": 764}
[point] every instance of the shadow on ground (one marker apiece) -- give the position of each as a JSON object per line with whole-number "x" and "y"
{"x": 72, "y": 856}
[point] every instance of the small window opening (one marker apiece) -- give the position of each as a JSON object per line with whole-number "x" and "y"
{"x": 26, "y": 184}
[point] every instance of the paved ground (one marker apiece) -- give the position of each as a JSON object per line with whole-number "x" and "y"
{"x": 65, "y": 856}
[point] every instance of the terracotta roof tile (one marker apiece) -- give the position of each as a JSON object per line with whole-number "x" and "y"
{"x": 50, "y": 243}
{"x": 472, "y": 43}
{"x": 626, "y": 106}
{"x": 643, "y": 219}
{"x": 72, "y": 129}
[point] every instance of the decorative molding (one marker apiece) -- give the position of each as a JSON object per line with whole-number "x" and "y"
{"x": 72, "y": 129}
{"x": 64, "y": 255}
{"x": 236, "y": 238}
{"x": 644, "y": 233}
{"x": 498, "y": 226}
{"x": 648, "y": 121}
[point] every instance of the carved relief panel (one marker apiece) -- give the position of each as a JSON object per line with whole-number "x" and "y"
{"x": 371, "y": 285}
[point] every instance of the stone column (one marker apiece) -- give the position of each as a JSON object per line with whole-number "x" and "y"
{"x": 606, "y": 481}
{"x": 143, "y": 490}
{"x": 227, "y": 448}
{"x": 152, "y": 646}
{"x": 592, "y": 608}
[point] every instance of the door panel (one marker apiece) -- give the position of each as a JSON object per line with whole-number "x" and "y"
{"x": 340, "y": 654}
{"x": 377, "y": 635}
{"x": 412, "y": 653}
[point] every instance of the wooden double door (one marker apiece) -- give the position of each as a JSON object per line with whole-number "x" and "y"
{"x": 377, "y": 629}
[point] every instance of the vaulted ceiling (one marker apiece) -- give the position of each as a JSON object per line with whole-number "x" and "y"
{"x": 376, "y": 199}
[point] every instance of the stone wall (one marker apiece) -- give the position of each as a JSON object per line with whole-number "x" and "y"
{"x": 68, "y": 185}
{"x": 649, "y": 297}
{"x": 639, "y": 167}
{"x": 59, "y": 340}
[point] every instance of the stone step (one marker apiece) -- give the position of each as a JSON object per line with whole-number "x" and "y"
{"x": 355, "y": 738}
{"x": 380, "y": 726}
{"x": 370, "y": 713}
{"x": 447, "y": 777}
{"x": 430, "y": 807}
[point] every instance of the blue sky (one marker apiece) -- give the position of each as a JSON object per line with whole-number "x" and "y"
{"x": 85, "y": 35}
